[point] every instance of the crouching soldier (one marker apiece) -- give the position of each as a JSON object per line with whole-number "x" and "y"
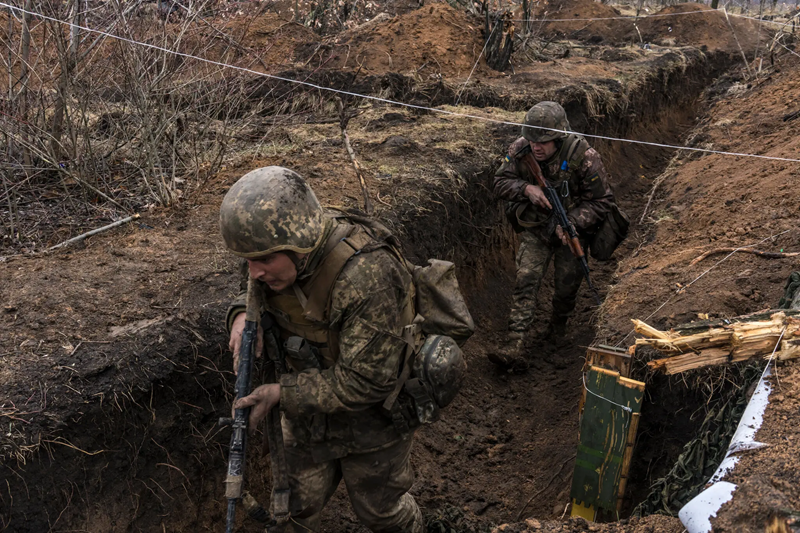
{"x": 575, "y": 170}
{"x": 349, "y": 295}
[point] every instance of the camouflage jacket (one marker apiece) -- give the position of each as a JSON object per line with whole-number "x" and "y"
{"x": 589, "y": 197}
{"x": 338, "y": 409}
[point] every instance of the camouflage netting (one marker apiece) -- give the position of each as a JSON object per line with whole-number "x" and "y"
{"x": 791, "y": 293}
{"x": 701, "y": 456}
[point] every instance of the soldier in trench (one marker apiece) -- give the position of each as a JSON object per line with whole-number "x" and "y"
{"x": 576, "y": 171}
{"x": 334, "y": 427}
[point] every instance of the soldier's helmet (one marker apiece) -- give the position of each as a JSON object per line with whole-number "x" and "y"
{"x": 545, "y": 115}
{"x": 440, "y": 365}
{"x": 271, "y": 209}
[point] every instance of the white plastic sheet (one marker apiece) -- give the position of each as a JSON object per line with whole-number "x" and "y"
{"x": 697, "y": 514}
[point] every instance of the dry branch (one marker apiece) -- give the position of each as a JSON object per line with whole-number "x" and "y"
{"x": 95, "y": 232}
{"x": 734, "y": 342}
{"x": 648, "y": 331}
{"x": 766, "y": 255}
{"x": 343, "y": 120}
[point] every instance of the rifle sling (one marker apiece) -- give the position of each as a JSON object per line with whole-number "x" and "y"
{"x": 280, "y": 476}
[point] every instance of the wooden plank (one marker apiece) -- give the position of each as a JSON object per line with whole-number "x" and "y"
{"x": 733, "y": 342}
{"x": 608, "y": 357}
{"x": 717, "y": 356}
{"x": 682, "y": 363}
{"x": 789, "y": 350}
{"x": 605, "y": 434}
{"x": 701, "y": 325}
{"x": 626, "y": 459}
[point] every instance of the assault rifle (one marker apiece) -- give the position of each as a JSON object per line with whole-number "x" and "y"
{"x": 526, "y": 156}
{"x": 234, "y": 482}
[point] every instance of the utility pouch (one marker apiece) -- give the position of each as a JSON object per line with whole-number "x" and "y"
{"x": 511, "y": 209}
{"x": 414, "y": 407}
{"x": 611, "y": 233}
{"x": 425, "y": 409}
{"x": 301, "y": 355}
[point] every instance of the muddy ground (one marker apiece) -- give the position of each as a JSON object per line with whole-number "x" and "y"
{"x": 114, "y": 361}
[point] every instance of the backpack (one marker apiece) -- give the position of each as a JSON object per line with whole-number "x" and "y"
{"x": 612, "y": 231}
{"x": 433, "y": 368}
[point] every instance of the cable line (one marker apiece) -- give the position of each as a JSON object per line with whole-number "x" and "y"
{"x": 386, "y": 100}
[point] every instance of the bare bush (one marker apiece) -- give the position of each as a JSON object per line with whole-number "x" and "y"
{"x": 121, "y": 124}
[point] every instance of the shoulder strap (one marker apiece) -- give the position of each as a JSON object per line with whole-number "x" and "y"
{"x": 572, "y": 151}
{"x": 339, "y": 251}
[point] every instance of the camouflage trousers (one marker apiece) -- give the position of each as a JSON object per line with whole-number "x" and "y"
{"x": 377, "y": 483}
{"x": 533, "y": 258}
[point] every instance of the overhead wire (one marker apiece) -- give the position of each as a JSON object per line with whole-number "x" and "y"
{"x": 590, "y": 391}
{"x": 389, "y": 101}
{"x": 644, "y": 17}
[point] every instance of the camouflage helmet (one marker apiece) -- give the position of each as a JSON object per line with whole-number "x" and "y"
{"x": 270, "y": 209}
{"x": 545, "y": 115}
{"x": 440, "y": 365}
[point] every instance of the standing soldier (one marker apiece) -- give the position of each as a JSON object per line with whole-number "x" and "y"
{"x": 575, "y": 170}
{"x": 347, "y": 293}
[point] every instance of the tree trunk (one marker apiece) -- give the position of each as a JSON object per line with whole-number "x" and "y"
{"x": 69, "y": 58}
{"x": 499, "y": 41}
{"x": 526, "y": 15}
{"x": 25, "y": 52}
{"x": 714, "y": 4}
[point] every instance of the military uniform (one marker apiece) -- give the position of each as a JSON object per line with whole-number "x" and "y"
{"x": 333, "y": 422}
{"x": 576, "y": 171}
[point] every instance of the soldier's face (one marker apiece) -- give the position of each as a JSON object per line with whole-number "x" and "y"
{"x": 543, "y": 151}
{"x": 276, "y": 270}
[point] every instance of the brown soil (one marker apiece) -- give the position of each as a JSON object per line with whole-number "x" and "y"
{"x": 597, "y": 32}
{"x": 435, "y": 40}
{"x": 710, "y": 201}
{"x": 271, "y": 37}
{"x": 769, "y": 478}
{"x": 709, "y": 30}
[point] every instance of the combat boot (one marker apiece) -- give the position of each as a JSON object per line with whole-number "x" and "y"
{"x": 557, "y": 332}
{"x": 510, "y": 356}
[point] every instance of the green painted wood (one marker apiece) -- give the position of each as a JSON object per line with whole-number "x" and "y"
{"x": 604, "y": 434}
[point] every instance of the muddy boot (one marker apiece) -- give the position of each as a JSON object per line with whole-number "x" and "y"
{"x": 510, "y": 356}
{"x": 557, "y": 332}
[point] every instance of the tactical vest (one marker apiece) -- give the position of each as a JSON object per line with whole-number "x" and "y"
{"x": 570, "y": 157}
{"x": 306, "y": 313}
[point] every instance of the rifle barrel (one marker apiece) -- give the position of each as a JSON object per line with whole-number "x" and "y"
{"x": 231, "y": 520}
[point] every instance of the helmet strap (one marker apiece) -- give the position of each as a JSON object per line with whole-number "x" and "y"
{"x": 299, "y": 262}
